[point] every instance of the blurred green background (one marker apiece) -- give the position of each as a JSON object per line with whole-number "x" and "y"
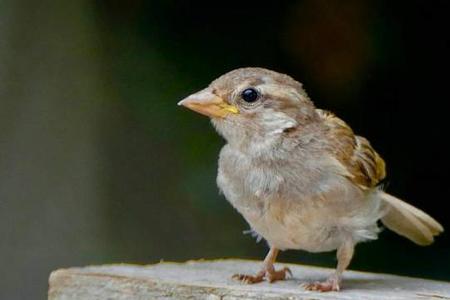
{"x": 98, "y": 164}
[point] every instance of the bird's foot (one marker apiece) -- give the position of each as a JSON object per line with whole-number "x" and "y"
{"x": 268, "y": 274}
{"x": 249, "y": 279}
{"x": 331, "y": 284}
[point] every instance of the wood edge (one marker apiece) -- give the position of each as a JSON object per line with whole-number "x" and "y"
{"x": 62, "y": 278}
{"x": 79, "y": 270}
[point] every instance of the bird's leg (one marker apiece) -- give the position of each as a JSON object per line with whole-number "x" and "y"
{"x": 267, "y": 272}
{"x": 344, "y": 256}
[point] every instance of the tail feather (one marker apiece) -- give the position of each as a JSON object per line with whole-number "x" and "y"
{"x": 409, "y": 221}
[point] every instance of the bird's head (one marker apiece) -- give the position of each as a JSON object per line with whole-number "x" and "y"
{"x": 252, "y": 103}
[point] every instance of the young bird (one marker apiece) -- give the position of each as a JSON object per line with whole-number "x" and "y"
{"x": 299, "y": 175}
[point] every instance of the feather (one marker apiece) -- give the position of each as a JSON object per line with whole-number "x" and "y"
{"x": 354, "y": 152}
{"x": 409, "y": 221}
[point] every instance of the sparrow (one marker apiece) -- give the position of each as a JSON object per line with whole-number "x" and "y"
{"x": 298, "y": 174}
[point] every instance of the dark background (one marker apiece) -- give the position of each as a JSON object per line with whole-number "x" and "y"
{"x": 99, "y": 165}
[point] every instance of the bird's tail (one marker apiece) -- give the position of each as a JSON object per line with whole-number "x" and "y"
{"x": 408, "y": 221}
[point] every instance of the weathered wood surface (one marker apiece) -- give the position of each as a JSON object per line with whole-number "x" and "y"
{"x": 211, "y": 280}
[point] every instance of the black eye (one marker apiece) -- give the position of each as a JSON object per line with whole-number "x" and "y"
{"x": 250, "y": 95}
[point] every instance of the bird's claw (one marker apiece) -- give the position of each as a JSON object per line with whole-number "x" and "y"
{"x": 248, "y": 279}
{"x": 329, "y": 285}
{"x": 270, "y": 276}
{"x": 278, "y": 275}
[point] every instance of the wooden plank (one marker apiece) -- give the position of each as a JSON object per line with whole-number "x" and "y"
{"x": 212, "y": 280}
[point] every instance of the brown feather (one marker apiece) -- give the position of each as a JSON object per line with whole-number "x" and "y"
{"x": 354, "y": 152}
{"x": 409, "y": 221}
{"x": 368, "y": 169}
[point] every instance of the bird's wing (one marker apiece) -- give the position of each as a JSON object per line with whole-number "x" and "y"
{"x": 366, "y": 168}
{"x": 355, "y": 153}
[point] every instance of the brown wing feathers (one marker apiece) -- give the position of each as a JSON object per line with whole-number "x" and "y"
{"x": 354, "y": 152}
{"x": 368, "y": 169}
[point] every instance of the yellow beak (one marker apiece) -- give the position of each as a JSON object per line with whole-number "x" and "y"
{"x": 208, "y": 104}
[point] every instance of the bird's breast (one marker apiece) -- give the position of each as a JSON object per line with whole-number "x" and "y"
{"x": 246, "y": 181}
{"x": 293, "y": 206}
{"x": 265, "y": 195}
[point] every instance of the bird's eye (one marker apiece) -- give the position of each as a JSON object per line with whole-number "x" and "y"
{"x": 250, "y": 95}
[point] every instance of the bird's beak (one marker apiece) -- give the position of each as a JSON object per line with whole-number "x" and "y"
{"x": 207, "y": 103}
